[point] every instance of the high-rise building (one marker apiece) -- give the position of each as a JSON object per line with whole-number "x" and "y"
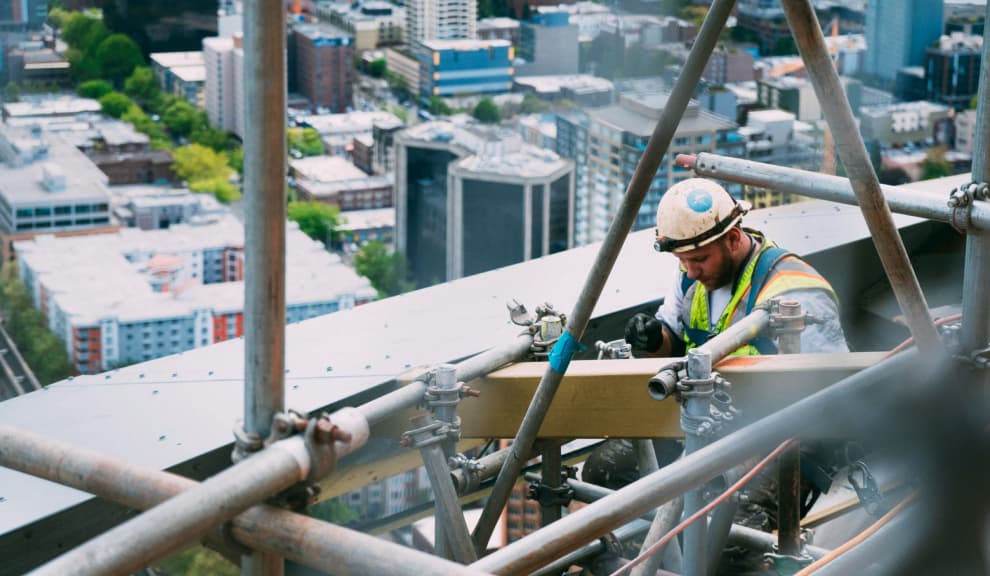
{"x": 952, "y": 69}
{"x": 441, "y": 20}
{"x": 548, "y": 43}
{"x": 455, "y": 67}
{"x": 162, "y": 25}
{"x": 471, "y": 199}
{"x": 897, "y": 34}
{"x": 606, "y": 144}
{"x": 22, "y": 15}
{"x": 324, "y": 65}
{"x": 224, "y": 61}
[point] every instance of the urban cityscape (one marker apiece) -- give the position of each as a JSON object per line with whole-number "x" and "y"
{"x": 428, "y": 141}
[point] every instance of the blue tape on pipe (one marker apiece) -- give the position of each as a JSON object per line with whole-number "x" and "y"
{"x": 563, "y": 351}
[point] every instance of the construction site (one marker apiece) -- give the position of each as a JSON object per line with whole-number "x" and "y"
{"x": 109, "y": 473}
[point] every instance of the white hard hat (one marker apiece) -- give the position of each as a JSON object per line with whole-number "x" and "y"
{"x": 693, "y": 213}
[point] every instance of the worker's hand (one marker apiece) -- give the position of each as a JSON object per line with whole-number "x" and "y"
{"x": 644, "y": 333}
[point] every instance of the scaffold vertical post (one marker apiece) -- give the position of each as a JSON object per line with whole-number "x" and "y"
{"x": 265, "y": 212}
{"x": 976, "y": 297}
{"x": 550, "y": 468}
{"x": 695, "y": 411}
{"x": 807, "y": 33}
{"x": 626, "y": 214}
{"x": 789, "y": 321}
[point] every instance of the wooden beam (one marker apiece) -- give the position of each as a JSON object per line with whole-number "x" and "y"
{"x": 608, "y": 398}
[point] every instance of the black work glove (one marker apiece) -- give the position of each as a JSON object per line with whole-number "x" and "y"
{"x": 644, "y": 333}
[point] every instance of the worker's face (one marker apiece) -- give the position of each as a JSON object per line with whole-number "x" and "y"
{"x": 712, "y": 264}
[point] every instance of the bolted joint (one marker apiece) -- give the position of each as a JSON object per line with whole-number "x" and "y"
{"x": 428, "y": 431}
{"x": 550, "y": 495}
{"x": 284, "y": 425}
{"x": 786, "y": 565}
{"x": 330, "y": 437}
{"x": 465, "y": 473}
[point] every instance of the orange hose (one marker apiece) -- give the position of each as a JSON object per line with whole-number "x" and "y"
{"x": 910, "y": 340}
{"x": 705, "y": 510}
{"x": 818, "y": 564}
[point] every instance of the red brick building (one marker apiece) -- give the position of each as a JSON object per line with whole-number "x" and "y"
{"x": 324, "y": 65}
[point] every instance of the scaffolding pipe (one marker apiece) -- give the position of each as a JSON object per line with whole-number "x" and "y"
{"x": 550, "y": 472}
{"x": 190, "y": 515}
{"x": 626, "y": 214}
{"x": 720, "y": 526}
{"x": 902, "y": 199}
{"x": 665, "y": 520}
{"x": 807, "y": 33}
{"x": 817, "y": 413}
{"x": 738, "y": 535}
{"x": 264, "y": 95}
{"x": 976, "y": 299}
{"x": 320, "y": 545}
{"x": 474, "y": 367}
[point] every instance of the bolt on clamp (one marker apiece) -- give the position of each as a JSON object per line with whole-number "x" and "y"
{"x": 284, "y": 424}
{"x": 546, "y": 326}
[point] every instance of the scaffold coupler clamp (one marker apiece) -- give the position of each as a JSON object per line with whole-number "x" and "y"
{"x": 786, "y": 317}
{"x": 962, "y": 198}
{"x": 427, "y": 433}
{"x": 546, "y": 326}
{"x": 443, "y": 394}
{"x": 613, "y": 350}
{"x": 787, "y": 565}
{"x": 548, "y": 495}
{"x": 979, "y": 358}
{"x": 470, "y": 478}
{"x": 284, "y": 424}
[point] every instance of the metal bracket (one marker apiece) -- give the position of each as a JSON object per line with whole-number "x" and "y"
{"x": 613, "y": 350}
{"x": 284, "y": 424}
{"x": 786, "y": 565}
{"x": 433, "y": 433}
{"x": 546, "y": 325}
{"x": 866, "y": 488}
{"x": 963, "y": 198}
{"x": 471, "y": 480}
{"x": 550, "y": 496}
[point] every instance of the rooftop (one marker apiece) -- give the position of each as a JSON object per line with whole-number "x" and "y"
{"x": 581, "y": 83}
{"x": 178, "y": 59}
{"x": 364, "y": 219}
{"x": 499, "y": 23}
{"x": 957, "y": 41}
{"x": 320, "y": 31}
{"x": 918, "y": 107}
{"x": 102, "y": 276}
{"x": 190, "y": 73}
{"x": 24, "y": 185}
{"x": 638, "y": 113}
{"x": 33, "y": 106}
{"x": 465, "y": 45}
{"x": 348, "y": 123}
{"x": 326, "y": 169}
{"x": 771, "y": 115}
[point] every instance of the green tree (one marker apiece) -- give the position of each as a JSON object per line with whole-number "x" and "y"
{"x": 236, "y": 160}
{"x": 142, "y": 85}
{"x": 143, "y": 123}
{"x": 386, "y": 270}
{"x": 83, "y": 33}
{"x": 304, "y": 140}
{"x": 935, "y": 165}
{"x": 438, "y": 107}
{"x": 221, "y": 188}
{"x": 198, "y": 561}
{"x": 94, "y": 89}
{"x": 317, "y": 220}
{"x": 115, "y": 104}
{"x": 118, "y": 56}
{"x": 377, "y": 68}
{"x": 196, "y": 162}
{"x": 182, "y": 118}
{"x": 81, "y": 67}
{"x": 57, "y": 16}
{"x": 212, "y": 137}
{"x": 11, "y": 92}
{"x": 42, "y": 350}
{"x": 487, "y": 112}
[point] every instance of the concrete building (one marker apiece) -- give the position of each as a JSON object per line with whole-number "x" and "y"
{"x": 582, "y": 89}
{"x": 22, "y": 15}
{"x": 31, "y": 62}
{"x": 335, "y": 180}
{"x": 607, "y": 143}
{"x": 440, "y": 20}
{"x": 540, "y": 130}
{"x": 36, "y": 108}
{"x": 848, "y": 52}
{"x": 338, "y": 131}
{"x": 900, "y": 124}
{"x": 223, "y": 58}
{"x": 965, "y": 122}
{"x": 797, "y": 95}
{"x": 499, "y": 28}
{"x": 324, "y": 67}
{"x": 405, "y": 66}
{"x": 137, "y": 295}
{"x": 48, "y": 186}
{"x": 952, "y": 69}
{"x": 360, "y": 226}
{"x": 157, "y": 207}
{"x": 383, "y": 134}
{"x": 729, "y": 65}
{"x": 182, "y": 74}
{"x": 548, "y": 44}
{"x": 461, "y": 67}
{"x": 372, "y": 24}
{"x": 897, "y": 34}
{"x": 777, "y": 137}
{"x": 471, "y": 198}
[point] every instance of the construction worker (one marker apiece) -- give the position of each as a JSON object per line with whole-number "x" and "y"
{"x": 725, "y": 271}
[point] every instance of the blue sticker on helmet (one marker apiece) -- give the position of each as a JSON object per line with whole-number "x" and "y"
{"x": 699, "y": 200}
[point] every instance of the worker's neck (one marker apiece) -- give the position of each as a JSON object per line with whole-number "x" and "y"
{"x": 741, "y": 253}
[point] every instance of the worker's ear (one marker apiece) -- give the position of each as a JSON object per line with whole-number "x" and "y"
{"x": 734, "y": 238}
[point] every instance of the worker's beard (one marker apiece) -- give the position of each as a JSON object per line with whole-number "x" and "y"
{"x": 726, "y": 272}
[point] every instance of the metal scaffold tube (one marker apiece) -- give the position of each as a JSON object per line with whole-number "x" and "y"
{"x": 564, "y": 349}
{"x": 320, "y": 545}
{"x": 807, "y": 33}
{"x": 901, "y": 199}
{"x": 474, "y": 367}
{"x": 265, "y": 213}
{"x": 976, "y": 298}
{"x": 815, "y": 414}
